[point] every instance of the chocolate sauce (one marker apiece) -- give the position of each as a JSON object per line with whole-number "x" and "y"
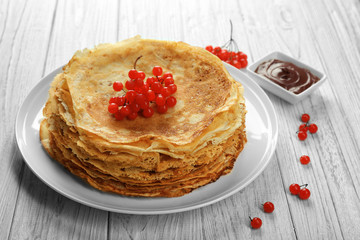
{"x": 287, "y": 75}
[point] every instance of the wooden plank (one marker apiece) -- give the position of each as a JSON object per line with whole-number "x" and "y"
{"x": 22, "y": 34}
{"x": 41, "y": 212}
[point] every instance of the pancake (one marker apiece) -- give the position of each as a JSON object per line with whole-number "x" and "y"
{"x": 167, "y": 155}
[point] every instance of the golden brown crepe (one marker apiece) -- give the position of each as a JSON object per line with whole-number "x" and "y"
{"x": 166, "y": 155}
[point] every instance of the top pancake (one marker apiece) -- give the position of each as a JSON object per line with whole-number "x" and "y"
{"x": 205, "y": 89}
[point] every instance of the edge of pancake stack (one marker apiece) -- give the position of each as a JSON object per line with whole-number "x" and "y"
{"x": 167, "y": 155}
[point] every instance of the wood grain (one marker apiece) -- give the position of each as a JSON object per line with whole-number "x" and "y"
{"x": 39, "y": 36}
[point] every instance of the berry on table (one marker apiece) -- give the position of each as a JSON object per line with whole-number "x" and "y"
{"x": 268, "y": 207}
{"x": 304, "y": 159}
{"x": 305, "y": 118}
{"x": 304, "y": 193}
{"x": 302, "y": 135}
{"x": 294, "y": 189}
{"x": 255, "y": 222}
{"x": 313, "y": 128}
{"x": 303, "y": 127}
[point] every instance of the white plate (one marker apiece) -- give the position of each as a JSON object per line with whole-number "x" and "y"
{"x": 262, "y": 132}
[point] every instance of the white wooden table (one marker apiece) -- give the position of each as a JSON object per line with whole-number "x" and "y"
{"x": 38, "y": 36}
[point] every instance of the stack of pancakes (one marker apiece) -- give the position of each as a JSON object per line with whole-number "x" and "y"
{"x": 167, "y": 155}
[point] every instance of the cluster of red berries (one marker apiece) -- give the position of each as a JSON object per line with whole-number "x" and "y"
{"x": 236, "y": 59}
{"x": 306, "y": 126}
{"x": 301, "y": 191}
{"x": 256, "y": 222}
{"x": 140, "y": 94}
{"x": 229, "y": 52}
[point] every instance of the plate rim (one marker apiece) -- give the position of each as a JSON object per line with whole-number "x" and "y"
{"x": 269, "y": 152}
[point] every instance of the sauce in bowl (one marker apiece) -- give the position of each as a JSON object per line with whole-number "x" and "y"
{"x": 287, "y": 75}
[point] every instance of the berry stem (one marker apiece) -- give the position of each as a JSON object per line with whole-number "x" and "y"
{"x": 136, "y": 61}
{"x": 231, "y": 44}
{"x": 306, "y": 125}
{"x": 304, "y": 185}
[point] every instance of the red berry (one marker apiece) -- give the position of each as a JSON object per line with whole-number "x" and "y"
{"x": 170, "y": 101}
{"x": 305, "y": 117}
{"x": 166, "y": 75}
{"x": 217, "y": 50}
{"x": 303, "y": 127}
{"x": 130, "y": 84}
{"x": 125, "y": 110}
{"x": 243, "y": 62}
{"x": 256, "y": 223}
{"x": 268, "y": 207}
{"x": 134, "y": 107}
{"x": 157, "y": 71}
{"x": 209, "y": 48}
{"x": 118, "y": 100}
{"x": 302, "y": 135}
{"x": 156, "y": 87}
{"x": 165, "y": 91}
{"x": 113, "y": 108}
{"x": 168, "y": 81}
{"x": 145, "y": 88}
{"x": 304, "y": 194}
{"x": 118, "y": 115}
{"x": 118, "y": 86}
{"x": 140, "y": 99}
{"x": 132, "y": 116}
{"x": 172, "y": 88}
{"x": 160, "y": 100}
{"x": 313, "y": 128}
{"x": 294, "y": 189}
{"x": 139, "y": 83}
{"x": 150, "y": 95}
{"x": 236, "y": 64}
{"x": 223, "y": 55}
{"x": 233, "y": 55}
{"x": 133, "y": 74}
{"x": 148, "y": 112}
{"x": 144, "y": 105}
{"x": 150, "y": 80}
{"x": 304, "y": 159}
{"x": 130, "y": 96}
{"x": 141, "y": 75}
{"x": 162, "y": 108}
{"x": 242, "y": 55}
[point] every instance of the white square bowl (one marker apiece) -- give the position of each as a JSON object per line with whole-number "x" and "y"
{"x": 277, "y": 89}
